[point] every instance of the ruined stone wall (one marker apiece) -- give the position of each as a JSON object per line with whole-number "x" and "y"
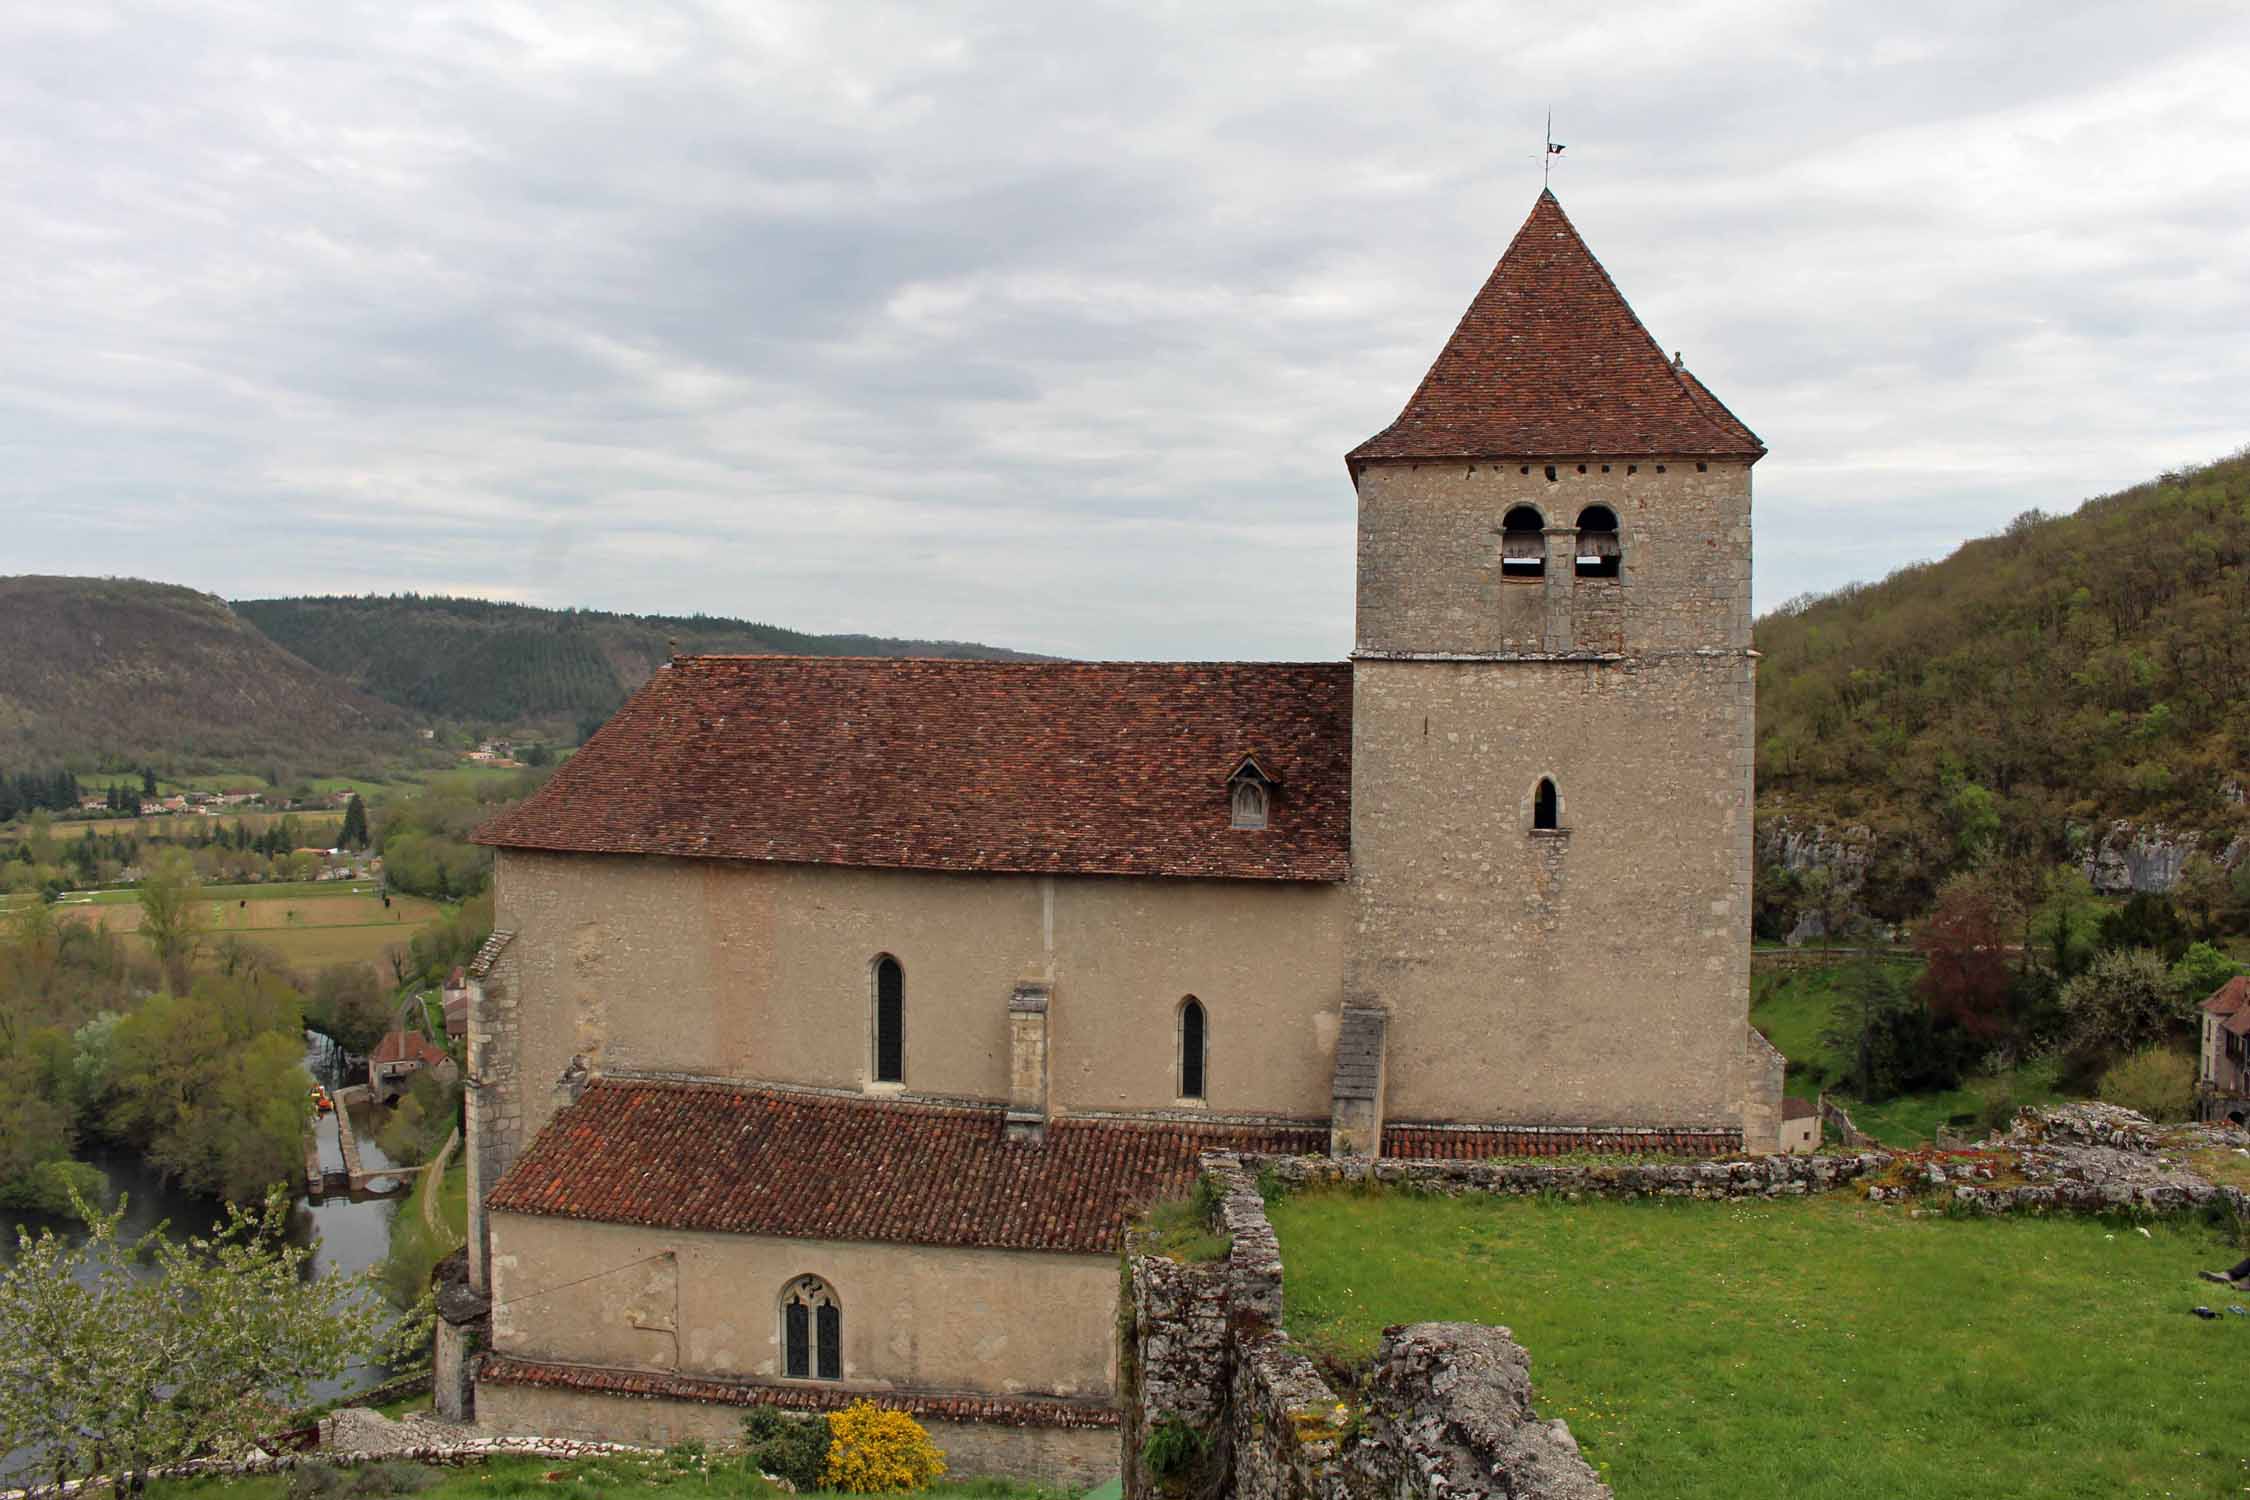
{"x": 1444, "y": 1413}
{"x": 495, "y": 1097}
{"x": 1072, "y": 1458}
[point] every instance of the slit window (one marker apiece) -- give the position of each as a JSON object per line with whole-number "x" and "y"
{"x": 812, "y": 1331}
{"x": 890, "y": 1021}
{"x": 1194, "y": 1042}
{"x": 1523, "y": 544}
{"x": 1598, "y": 549}
{"x": 1546, "y": 806}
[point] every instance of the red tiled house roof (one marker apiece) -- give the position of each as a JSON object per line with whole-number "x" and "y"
{"x": 1549, "y": 361}
{"x": 813, "y": 1166}
{"x": 1036, "y": 767}
{"x": 407, "y": 1046}
{"x": 2229, "y": 997}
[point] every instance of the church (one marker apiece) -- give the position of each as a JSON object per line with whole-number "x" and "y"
{"x": 842, "y": 1012}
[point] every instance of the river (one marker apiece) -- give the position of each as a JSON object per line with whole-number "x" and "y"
{"x": 347, "y": 1237}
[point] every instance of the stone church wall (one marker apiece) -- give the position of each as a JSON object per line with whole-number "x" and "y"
{"x": 762, "y": 971}
{"x": 915, "y": 1318}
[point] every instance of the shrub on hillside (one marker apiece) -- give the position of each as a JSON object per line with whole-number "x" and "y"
{"x": 2125, "y": 1001}
{"x": 785, "y": 1446}
{"x": 872, "y": 1451}
{"x": 2157, "y": 1081}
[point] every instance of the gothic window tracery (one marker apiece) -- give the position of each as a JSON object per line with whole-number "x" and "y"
{"x": 812, "y": 1331}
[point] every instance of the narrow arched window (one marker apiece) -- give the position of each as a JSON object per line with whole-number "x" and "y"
{"x": 1523, "y": 544}
{"x": 890, "y": 1021}
{"x": 1546, "y": 805}
{"x": 1194, "y": 1044}
{"x": 812, "y": 1331}
{"x": 1598, "y": 551}
{"x": 1249, "y": 803}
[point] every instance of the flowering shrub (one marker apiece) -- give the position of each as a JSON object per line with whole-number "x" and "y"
{"x": 876, "y": 1452}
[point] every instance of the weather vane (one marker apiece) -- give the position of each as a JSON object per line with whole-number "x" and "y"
{"x": 1554, "y": 149}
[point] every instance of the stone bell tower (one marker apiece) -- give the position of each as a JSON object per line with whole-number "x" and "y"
{"x": 1552, "y": 708}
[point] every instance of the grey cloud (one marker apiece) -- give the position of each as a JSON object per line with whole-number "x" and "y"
{"x": 1051, "y": 326}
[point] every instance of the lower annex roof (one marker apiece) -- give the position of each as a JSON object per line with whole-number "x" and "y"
{"x": 753, "y": 1160}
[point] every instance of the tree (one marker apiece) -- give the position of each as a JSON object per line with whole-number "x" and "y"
{"x": 353, "y": 835}
{"x": 2123, "y": 1002}
{"x": 148, "y": 782}
{"x": 348, "y": 1004}
{"x": 172, "y": 915}
{"x": 107, "y": 1371}
{"x": 2204, "y": 893}
{"x": 2200, "y": 970}
{"x": 1965, "y": 942}
{"x": 1869, "y": 994}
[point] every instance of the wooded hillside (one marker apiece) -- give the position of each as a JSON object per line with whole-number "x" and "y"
{"x": 2014, "y": 697}
{"x": 475, "y": 660}
{"x": 115, "y": 672}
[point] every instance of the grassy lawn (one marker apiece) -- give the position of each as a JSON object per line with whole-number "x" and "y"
{"x": 679, "y": 1474}
{"x": 310, "y": 923}
{"x": 1792, "y": 1007}
{"x": 1824, "y": 1347}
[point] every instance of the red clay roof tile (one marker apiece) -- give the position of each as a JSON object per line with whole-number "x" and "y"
{"x": 1008, "y": 1411}
{"x": 1093, "y": 768}
{"x": 407, "y": 1046}
{"x": 753, "y": 1160}
{"x": 1549, "y": 362}
{"x": 2229, "y": 997}
{"x": 1478, "y": 1143}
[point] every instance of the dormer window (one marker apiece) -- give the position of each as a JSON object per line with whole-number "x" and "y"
{"x": 1598, "y": 549}
{"x": 1523, "y": 543}
{"x": 1250, "y": 794}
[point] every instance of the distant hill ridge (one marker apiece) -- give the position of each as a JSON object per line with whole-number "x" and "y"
{"x": 114, "y": 672}
{"x": 2026, "y": 689}
{"x": 476, "y": 659}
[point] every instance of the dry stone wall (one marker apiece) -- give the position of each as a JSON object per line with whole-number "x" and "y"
{"x": 1444, "y": 1411}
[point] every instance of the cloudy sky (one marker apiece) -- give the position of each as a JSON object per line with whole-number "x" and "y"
{"x": 1049, "y": 325}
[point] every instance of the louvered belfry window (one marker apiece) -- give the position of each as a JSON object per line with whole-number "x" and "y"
{"x": 890, "y": 1021}
{"x": 1523, "y": 544}
{"x": 1599, "y": 552}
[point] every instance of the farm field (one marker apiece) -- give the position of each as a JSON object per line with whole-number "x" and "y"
{"x": 310, "y": 925}
{"x": 1811, "y": 1348}
{"x": 319, "y": 825}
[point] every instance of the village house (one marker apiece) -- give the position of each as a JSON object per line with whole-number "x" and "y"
{"x": 841, "y": 1011}
{"x": 2223, "y": 1071}
{"x": 398, "y": 1057}
{"x": 454, "y": 1000}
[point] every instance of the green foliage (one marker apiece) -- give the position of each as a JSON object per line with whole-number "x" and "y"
{"x": 1703, "y": 1349}
{"x": 421, "y": 1120}
{"x": 110, "y": 1367}
{"x": 1886, "y": 1043}
{"x": 1173, "y": 1450}
{"x": 174, "y": 919}
{"x": 2157, "y": 1081}
{"x": 353, "y": 833}
{"x": 1180, "y": 1229}
{"x": 2124, "y": 1001}
{"x": 479, "y": 661}
{"x": 2201, "y": 970}
{"x": 2075, "y": 669}
{"x": 347, "y": 1003}
{"x": 210, "y": 1086}
{"x": 788, "y": 1447}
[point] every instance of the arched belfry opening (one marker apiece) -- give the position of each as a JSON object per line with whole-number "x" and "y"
{"x": 1523, "y": 543}
{"x": 1599, "y": 552}
{"x": 1546, "y": 806}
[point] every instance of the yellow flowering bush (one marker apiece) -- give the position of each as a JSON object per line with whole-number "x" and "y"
{"x": 872, "y": 1451}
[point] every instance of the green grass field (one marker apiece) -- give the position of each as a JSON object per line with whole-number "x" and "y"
{"x": 1815, "y": 1348}
{"x": 1792, "y": 1007}
{"x": 311, "y": 924}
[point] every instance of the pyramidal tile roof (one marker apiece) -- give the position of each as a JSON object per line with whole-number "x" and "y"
{"x": 1548, "y": 362}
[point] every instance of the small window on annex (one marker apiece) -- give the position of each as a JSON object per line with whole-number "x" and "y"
{"x": 1598, "y": 551}
{"x": 890, "y": 1021}
{"x": 812, "y": 1331}
{"x": 1523, "y": 544}
{"x": 1546, "y": 806}
{"x": 1195, "y": 1042}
